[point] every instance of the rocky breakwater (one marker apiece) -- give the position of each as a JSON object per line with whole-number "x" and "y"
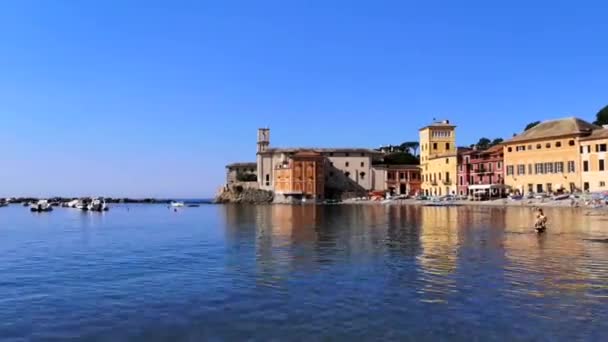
{"x": 239, "y": 193}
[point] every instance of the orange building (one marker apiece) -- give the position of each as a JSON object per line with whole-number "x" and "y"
{"x": 301, "y": 176}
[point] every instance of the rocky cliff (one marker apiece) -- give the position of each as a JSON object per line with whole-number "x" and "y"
{"x": 239, "y": 194}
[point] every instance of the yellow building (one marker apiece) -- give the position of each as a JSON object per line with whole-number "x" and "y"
{"x": 438, "y": 159}
{"x": 546, "y": 158}
{"x": 593, "y": 161}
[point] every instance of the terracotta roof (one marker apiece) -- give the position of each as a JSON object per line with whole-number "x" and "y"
{"x": 598, "y": 134}
{"x": 555, "y": 128}
{"x": 245, "y": 164}
{"x": 322, "y": 150}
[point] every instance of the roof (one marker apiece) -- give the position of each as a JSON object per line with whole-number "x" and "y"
{"x": 439, "y": 124}
{"x": 245, "y": 164}
{"x": 597, "y": 134}
{"x": 322, "y": 150}
{"x": 556, "y": 128}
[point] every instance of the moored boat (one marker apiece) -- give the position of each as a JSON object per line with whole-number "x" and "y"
{"x": 41, "y": 206}
{"x": 175, "y": 204}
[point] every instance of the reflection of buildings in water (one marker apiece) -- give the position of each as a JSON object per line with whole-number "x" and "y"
{"x": 559, "y": 262}
{"x": 285, "y": 237}
{"x": 439, "y": 244}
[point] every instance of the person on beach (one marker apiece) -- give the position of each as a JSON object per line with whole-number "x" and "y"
{"x": 541, "y": 221}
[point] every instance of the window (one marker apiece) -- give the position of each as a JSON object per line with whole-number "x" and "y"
{"x": 347, "y": 164}
{"x": 434, "y": 146}
{"x": 539, "y": 146}
{"x": 471, "y": 180}
{"x": 521, "y": 169}
{"x": 520, "y": 148}
{"x": 447, "y": 176}
{"x": 461, "y": 180}
{"x": 447, "y": 146}
{"x": 331, "y": 163}
{"x": 571, "y": 167}
{"x": 499, "y": 166}
{"x": 602, "y": 148}
{"x": 509, "y": 149}
{"x": 347, "y": 154}
{"x": 539, "y": 168}
{"x": 490, "y": 167}
{"x": 581, "y": 148}
{"x": 548, "y": 167}
{"x": 447, "y": 160}
{"x": 347, "y": 174}
{"x": 401, "y": 175}
{"x": 362, "y": 154}
{"x": 509, "y": 170}
{"x": 559, "y": 167}
{"x": 589, "y": 149}
{"x": 601, "y": 164}
{"x": 529, "y": 147}
{"x": 548, "y": 145}
{"x": 362, "y": 175}
{"x": 331, "y": 173}
{"x": 267, "y": 179}
{"x": 571, "y": 143}
{"x": 602, "y": 184}
{"x": 558, "y": 144}
{"x": 529, "y": 169}
{"x": 331, "y": 154}
{"x": 362, "y": 164}
{"x": 585, "y": 166}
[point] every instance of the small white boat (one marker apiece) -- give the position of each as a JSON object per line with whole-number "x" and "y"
{"x": 72, "y": 204}
{"x": 177, "y": 204}
{"x": 41, "y": 206}
{"x": 98, "y": 204}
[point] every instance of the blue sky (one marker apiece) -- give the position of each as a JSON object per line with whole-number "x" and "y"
{"x": 153, "y": 98}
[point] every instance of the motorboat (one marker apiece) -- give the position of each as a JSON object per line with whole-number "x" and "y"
{"x": 561, "y": 197}
{"x": 82, "y": 205}
{"x": 175, "y": 204}
{"x": 41, "y": 206}
{"x": 98, "y": 204}
{"x": 72, "y": 204}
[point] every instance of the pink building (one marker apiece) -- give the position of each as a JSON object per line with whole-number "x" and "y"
{"x": 481, "y": 173}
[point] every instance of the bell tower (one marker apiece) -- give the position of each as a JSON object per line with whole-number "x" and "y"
{"x": 263, "y": 139}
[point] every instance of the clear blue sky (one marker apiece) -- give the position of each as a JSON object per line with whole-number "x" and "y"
{"x": 153, "y": 98}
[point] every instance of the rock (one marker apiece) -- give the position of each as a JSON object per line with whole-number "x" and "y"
{"x": 238, "y": 194}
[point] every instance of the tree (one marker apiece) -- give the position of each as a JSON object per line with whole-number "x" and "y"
{"x": 602, "y": 117}
{"x": 483, "y": 144}
{"x": 401, "y": 158}
{"x": 496, "y": 141}
{"x": 531, "y": 124}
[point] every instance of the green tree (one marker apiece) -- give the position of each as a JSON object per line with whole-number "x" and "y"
{"x": 496, "y": 142}
{"x": 483, "y": 144}
{"x": 531, "y": 124}
{"x": 401, "y": 158}
{"x": 602, "y": 117}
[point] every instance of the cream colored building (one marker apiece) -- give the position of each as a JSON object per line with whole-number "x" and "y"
{"x": 438, "y": 159}
{"x": 546, "y": 158}
{"x": 594, "y": 153}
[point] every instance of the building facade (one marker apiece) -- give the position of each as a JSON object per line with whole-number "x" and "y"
{"x": 438, "y": 159}
{"x": 241, "y": 172}
{"x": 397, "y": 179}
{"x": 481, "y": 173}
{"x": 345, "y": 169}
{"x": 302, "y": 176}
{"x": 546, "y": 158}
{"x": 594, "y": 153}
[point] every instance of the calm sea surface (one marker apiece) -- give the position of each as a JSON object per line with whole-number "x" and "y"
{"x": 147, "y": 273}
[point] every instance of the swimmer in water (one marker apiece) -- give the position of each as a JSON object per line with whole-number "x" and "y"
{"x": 541, "y": 221}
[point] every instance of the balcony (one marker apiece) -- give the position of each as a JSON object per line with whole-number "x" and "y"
{"x": 433, "y": 182}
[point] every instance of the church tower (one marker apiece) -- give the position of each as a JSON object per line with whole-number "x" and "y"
{"x": 263, "y": 139}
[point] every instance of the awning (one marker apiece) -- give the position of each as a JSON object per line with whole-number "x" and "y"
{"x": 486, "y": 186}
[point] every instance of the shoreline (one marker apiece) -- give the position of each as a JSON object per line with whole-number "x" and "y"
{"x": 501, "y": 203}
